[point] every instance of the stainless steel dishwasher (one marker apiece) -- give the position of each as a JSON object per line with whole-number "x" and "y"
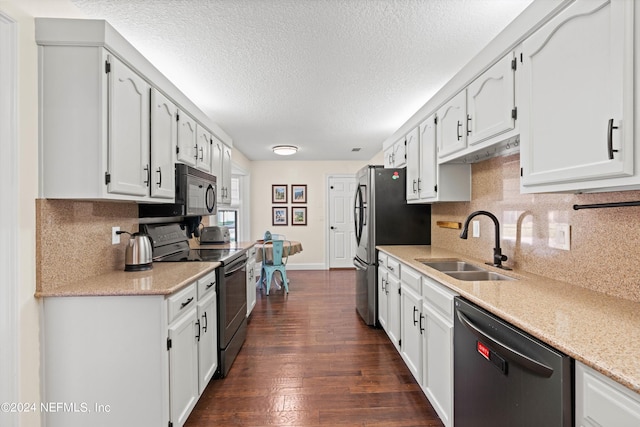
{"x": 505, "y": 377}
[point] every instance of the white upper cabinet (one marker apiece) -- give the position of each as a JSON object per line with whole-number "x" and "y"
{"x": 577, "y": 99}
{"x": 187, "y": 140}
{"x": 108, "y": 112}
{"x": 452, "y": 125}
{"x": 395, "y": 156}
{"x": 163, "y": 142}
{"x": 128, "y": 124}
{"x": 428, "y": 182}
{"x": 203, "y": 149}
{"x": 413, "y": 164}
{"x": 226, "y": 175}
{"x": 221, "y": 168}
{"x": 433, "y": 182}
{"x": 491, "y": 102}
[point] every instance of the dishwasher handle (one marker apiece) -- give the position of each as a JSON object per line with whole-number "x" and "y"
{"x": 507, "y": 352}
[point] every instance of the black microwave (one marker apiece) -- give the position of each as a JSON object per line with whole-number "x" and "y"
{"x": 195, "y": 196}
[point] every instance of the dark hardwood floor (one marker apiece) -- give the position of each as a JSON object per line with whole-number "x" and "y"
{"x": 309, "y": 360}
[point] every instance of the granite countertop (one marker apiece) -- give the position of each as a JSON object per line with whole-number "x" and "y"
{"x": 600, "y": 331}
{"x": 163, "y": 279}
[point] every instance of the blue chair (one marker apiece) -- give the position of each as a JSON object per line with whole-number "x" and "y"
{"x": 277, "y": 262}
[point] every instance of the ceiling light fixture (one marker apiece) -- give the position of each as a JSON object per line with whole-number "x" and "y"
{"x": 285, "y": 150}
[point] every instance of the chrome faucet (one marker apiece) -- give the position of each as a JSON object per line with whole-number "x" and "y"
{"x": 497, "y": 252}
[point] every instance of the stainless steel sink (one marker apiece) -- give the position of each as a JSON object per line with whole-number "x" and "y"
{"x": 446, "y": 266}
{"x": 462, "y": 270}
{"x": 473, "y": 276}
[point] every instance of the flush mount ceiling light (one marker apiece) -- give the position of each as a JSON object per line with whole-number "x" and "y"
{"x": 285, "y": 150}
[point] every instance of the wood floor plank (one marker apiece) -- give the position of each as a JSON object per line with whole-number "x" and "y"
{"x": 310, "y": 361}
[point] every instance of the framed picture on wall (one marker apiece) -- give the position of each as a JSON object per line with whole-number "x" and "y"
{"x": 298, "y": 193}
{"x": 279, "y": 193}
{"x": 279, "y": 215}
{"x": 298, "y": 215}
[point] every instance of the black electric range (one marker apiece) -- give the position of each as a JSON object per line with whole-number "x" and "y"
{"x": 171, "y": 244}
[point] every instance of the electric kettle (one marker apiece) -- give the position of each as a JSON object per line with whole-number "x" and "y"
{"x": 138, "y": 255}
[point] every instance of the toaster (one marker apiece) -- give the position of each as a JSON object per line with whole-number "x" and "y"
{"x": 214, "y": 235}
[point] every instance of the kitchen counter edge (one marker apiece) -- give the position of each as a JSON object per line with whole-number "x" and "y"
{"x": 163, "y": 279}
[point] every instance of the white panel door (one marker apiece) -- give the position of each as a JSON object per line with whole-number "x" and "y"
{"x": 128, "y": 131}
{"x": 164, "y": 136}
{"x": 452, "y": 125}
{"x": 203, "y": 149}
{"x": 577, "y": 102}
{"x": 413, "y": 164}
{"x": 490, "y": 102}
{"x": 427, "y": 184}
{"x": 342, "y": 241}
{"x": 207, "y": 341}
{"x": 186, "y": 151}
{"x": 183, "y": 367}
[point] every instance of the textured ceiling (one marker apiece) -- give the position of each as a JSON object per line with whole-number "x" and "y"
{"x": 325, "y": 75}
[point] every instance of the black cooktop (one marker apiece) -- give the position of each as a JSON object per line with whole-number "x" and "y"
{"x": 210, "y": 255}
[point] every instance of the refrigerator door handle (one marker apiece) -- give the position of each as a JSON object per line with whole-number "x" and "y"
{"x": 506, "y": 351}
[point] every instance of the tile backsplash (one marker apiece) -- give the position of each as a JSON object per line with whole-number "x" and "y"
{"x": 73, "y": 239}
{"x": 605, "y": 243}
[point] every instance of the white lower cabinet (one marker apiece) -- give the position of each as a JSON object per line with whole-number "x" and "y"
{"x": 437, "y": 347}
{"x": 183, "y": 366}
{"x": 393, "y": 303}
{"x": 411, "y": 344}
{"x": 128, "y": 360}
{"x": 601, "y": 402}
{"x": 252, "y": 275}
{"x": 425, "y": 313}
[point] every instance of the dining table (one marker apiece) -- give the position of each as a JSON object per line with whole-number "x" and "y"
{"x": 291, "y": 247}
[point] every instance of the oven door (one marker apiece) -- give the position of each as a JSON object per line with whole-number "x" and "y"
{"x": 232, "y": 298}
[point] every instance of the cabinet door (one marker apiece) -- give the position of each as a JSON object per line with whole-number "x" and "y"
{"x": 203, "y": 149}
{"x": 601, "y": 402}
{"x": 413, "y": 163}
{"x": 490, "y": 102}
{"x": 208, "y": 341}
{"x": 187, "y": 135}
{"x": 383, "y": 299}
{"x": 437, "y": 377}
{"x": 411, "y": 347}
{"x": 183, "y": 367}
{"x": 388, "y": 157}
{"x": 428, "y": 182}
{"x": 164, "y": 135}
{"x": 393, "y": 310}
{"x": 577, "y": 97}
{"x": 452, "y": 129}
{"x": 226, "y": 174}
{"x": 251, "y": 285}
{"x": 217, "y": 152}
{"x": 128, "y": 123}
{"x": 400, "y": 153}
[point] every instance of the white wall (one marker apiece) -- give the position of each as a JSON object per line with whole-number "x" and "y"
{"x": 313, "y": 174}
{"x": 28, "y": 352}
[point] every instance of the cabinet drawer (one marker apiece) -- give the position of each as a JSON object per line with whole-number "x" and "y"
{"x": 411, "y": 278}
{"x": 181, "y": 301}
{"x": 438, "y": 296}
{"x": 382, "y": 260}
{"x": 393, "y": 266}
{"x": 206, "y": 284}
{"x": 601, "y": 401}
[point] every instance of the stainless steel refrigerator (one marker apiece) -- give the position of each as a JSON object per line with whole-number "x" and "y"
{"x": 382, "y": 217}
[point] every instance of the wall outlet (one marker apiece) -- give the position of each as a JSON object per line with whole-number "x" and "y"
{"x": 115, "y": 237}
{"x": 560, "y": 236}
{"x": 475, "y": 228}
